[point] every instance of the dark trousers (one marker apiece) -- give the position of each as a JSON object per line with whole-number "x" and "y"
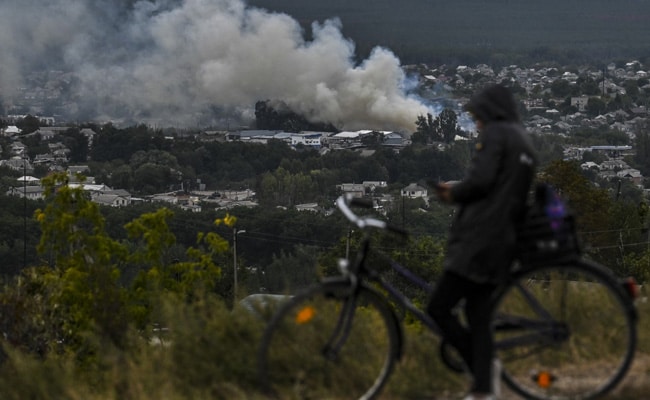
{"x": 473, "y": 341}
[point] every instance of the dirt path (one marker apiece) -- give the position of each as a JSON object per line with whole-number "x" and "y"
{"x": 635, "y": 385}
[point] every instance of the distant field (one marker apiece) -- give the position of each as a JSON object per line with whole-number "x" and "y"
{"x": 424, "y": 30}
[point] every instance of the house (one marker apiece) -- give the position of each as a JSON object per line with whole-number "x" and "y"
{"x": 44, "y": 159}
{"x": 612, "y": 151}
{"x": 45, "y": 133}
{"x": 346, "y": 139}
{"x": 261, "y": 136}
{"x": 580, "y": 102}
{"x": 394, "y": 139}
{"x": 191, "y": 207}
{"x": 111, "y": 200}
{"x": 18, "y": 164}
{"x": 11, "y": 131}
{"x": 414, "y": 191}
{"x": 18, "y": 149}
{"x": 93, "y": 189}
{"x": 110, "y": 197}
{"x": 73, "y": 170}
{"x": 313, "y": 207}
{"x": 227, "y": 205}
{"x": 374, "y": 185}
{"x": 32, "y": 192}
{"x": 632, "y": 174}
{"x": 356, "y": 189}
{"x": 237, "y": 195}
{"x": 165, "y": 198}
{"x": 613, "y": 165}
{"x": 306, "y": 139}
{"x": 589, "y": 165}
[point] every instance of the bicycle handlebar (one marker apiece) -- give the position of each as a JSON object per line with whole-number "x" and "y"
{"x": 346, "y": 200}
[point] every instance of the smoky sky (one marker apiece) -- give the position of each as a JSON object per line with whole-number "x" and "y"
{"x": 171, "y": 60}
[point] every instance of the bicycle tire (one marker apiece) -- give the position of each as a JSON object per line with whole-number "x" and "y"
{"x": 293, "y": 363}
{"x": 589, "y": 352}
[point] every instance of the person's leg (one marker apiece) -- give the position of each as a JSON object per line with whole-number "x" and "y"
{"x": 478, "y": 309}
{"x": 450, "y": 289}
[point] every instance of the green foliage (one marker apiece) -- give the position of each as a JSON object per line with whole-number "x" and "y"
{"x": 443, "y": 128}
{"x": 28, "y": 124}
{"x": 594, "y": 209}
{"x": 84, "y": 260}
{"x": 599, "y": 137}
{"x": 289, "y": 272}
{"x": 595, "y": 106}
{"x": 425, "y": 132}
{"x": 642, "y": 154}
{"x": 77, "y": 142}
{"x": 422, "y": 255}
{"x": 60, "y": 343}
{"x": 78, "y": 302}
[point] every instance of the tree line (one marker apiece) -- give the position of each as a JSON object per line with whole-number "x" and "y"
{"x": 145, "y": 162}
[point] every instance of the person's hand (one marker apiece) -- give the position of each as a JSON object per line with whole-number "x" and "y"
{"x": 443, "y": 192}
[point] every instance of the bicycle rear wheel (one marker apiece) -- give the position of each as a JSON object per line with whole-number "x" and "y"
{"x": 329, "y": 342}
{"x": 564, "y": 332}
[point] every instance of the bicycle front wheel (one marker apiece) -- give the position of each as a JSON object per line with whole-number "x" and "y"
{"x": 330, "y": 341}
{"x": 564, "y": 332}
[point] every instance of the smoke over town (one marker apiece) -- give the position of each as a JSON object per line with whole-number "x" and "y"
{"x": 173, "y": 61}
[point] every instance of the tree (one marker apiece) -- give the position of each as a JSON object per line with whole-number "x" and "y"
{"x": 85, "y": 293}
{"x": 77, "y": 143}
{"x": 289, "y": 272}
{"x": 588, "y": 86}
{"x": 161, "y": 273}
{"x": 28, "y": 124}
{"x": 446, "y": 125}
{"x": 425, "y": 131}
{"x": 79, "y": 297}
{"x": 595, "y": 106}
{"x": 590, "y": 204}
{"x": 642, "y": 154}
{"x": 560, "y": 88}
{"x": 150, "y": 178}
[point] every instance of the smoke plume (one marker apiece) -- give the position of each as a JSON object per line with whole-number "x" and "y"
{"x": 172, "y": 61}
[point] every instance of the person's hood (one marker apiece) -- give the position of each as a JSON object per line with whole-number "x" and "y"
{"x": 494, "y": 103}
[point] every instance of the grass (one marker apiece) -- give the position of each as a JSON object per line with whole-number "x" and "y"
{"x": 209, "y": 353}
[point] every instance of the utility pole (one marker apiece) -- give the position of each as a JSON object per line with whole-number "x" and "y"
{"x": 24, "y": 212}
{"x": 235, "y": 232}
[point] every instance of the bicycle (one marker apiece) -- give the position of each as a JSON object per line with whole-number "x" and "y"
{"x": 564, "y": 327}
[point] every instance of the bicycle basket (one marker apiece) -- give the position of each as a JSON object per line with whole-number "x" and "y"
{"x": 548, "y": 232}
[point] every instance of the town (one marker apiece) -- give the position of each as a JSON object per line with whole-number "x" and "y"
{"x": 555, "y": 101}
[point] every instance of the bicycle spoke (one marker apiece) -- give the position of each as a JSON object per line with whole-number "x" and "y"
{"x": 579, "y": 347}
{"x": 323, "y": 344}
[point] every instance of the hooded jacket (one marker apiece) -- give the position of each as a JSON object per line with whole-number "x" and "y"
{"x": 492, "y": 198}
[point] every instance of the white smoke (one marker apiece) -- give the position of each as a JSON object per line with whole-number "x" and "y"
{"x": 171, "y": 60}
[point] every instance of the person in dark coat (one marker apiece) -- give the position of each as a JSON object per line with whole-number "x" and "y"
{"x": 491, "y": 200}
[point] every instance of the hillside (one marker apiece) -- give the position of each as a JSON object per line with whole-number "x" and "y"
{"x": 428, "y": 31}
